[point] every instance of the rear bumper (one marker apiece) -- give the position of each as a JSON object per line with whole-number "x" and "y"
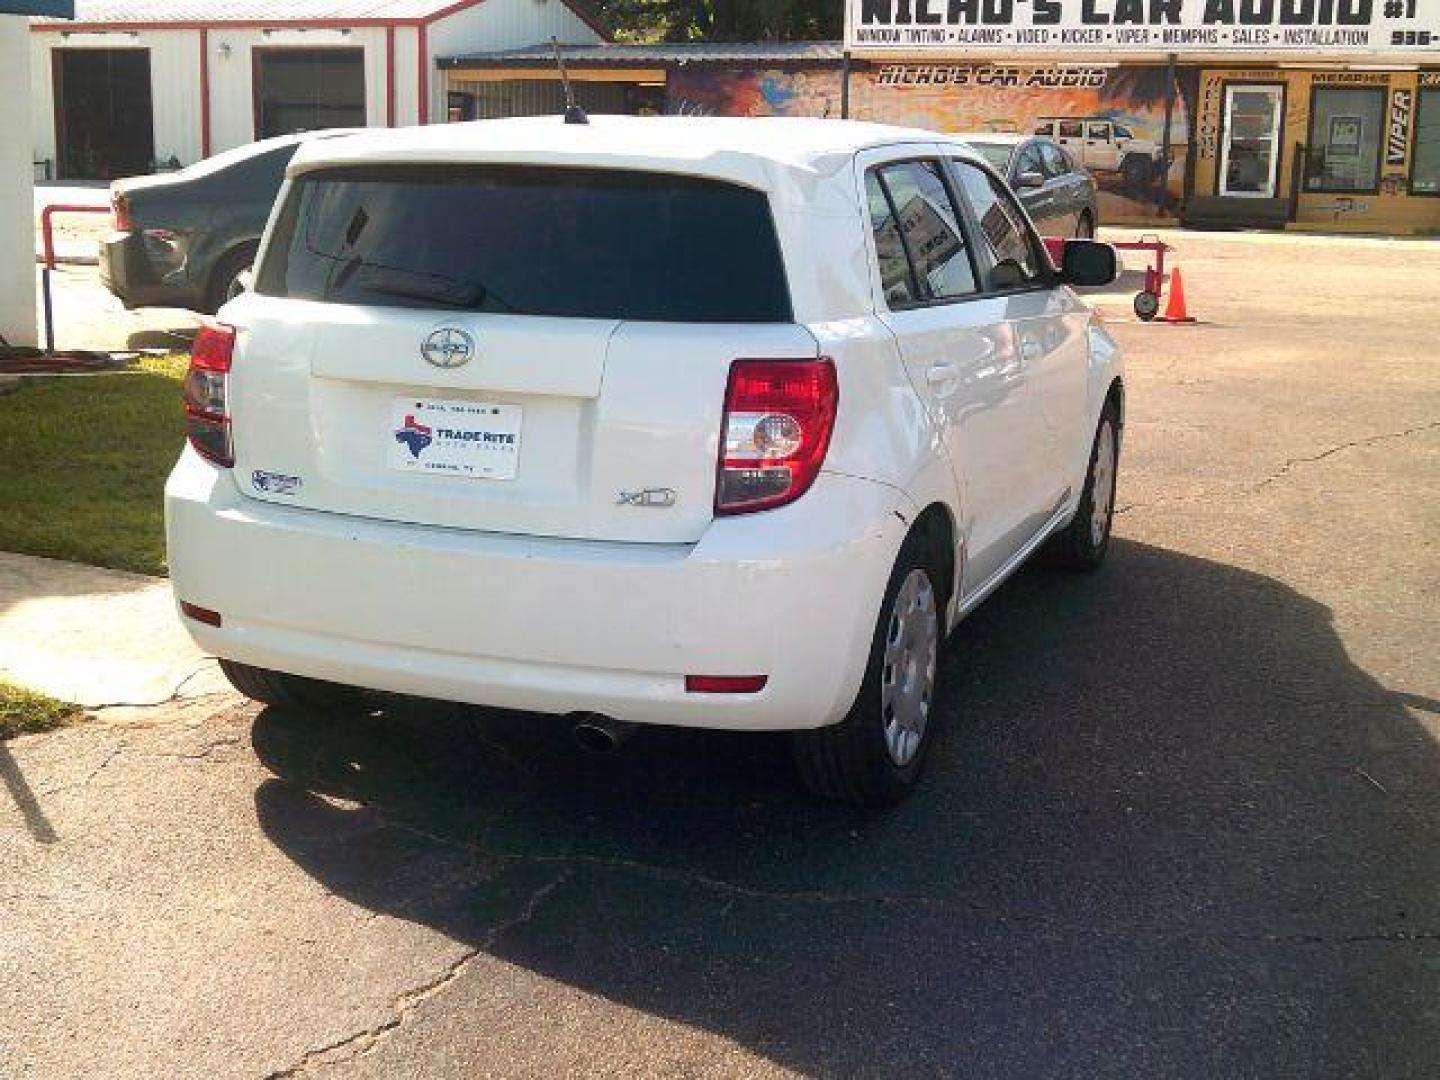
{"x": 127, "y": 270}
{"x": 548, "y": 625}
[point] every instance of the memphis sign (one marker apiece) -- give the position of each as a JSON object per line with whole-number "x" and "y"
{"x": 1336, "y": 27}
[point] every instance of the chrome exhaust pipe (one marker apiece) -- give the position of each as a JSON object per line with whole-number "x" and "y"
{"x": 601, "y": 734}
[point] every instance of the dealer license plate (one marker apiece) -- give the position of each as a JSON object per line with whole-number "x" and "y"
{"x": 477, "y": 439}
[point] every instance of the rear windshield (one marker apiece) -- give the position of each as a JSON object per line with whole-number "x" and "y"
{"x": 997, "y": 154}
{"x": 578, "y": 243}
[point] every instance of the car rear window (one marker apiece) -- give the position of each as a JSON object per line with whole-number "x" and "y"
{"x": 578, "y": 243}
{"x": 997, "y": 154}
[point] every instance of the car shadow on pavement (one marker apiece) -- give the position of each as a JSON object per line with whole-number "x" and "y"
{"x": 1170, "y": 830}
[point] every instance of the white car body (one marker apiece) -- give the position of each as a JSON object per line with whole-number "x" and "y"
{"x": 563, "y": 590}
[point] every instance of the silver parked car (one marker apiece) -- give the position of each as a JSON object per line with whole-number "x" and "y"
{"x": 1053, "y": 186}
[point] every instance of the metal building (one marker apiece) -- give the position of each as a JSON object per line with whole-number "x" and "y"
{"x": 130, "y": 86}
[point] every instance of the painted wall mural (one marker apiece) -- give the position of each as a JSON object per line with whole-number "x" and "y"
{"x": 1111, "y": 118}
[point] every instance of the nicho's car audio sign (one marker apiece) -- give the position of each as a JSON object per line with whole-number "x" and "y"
{"x": 1331, "y": 27}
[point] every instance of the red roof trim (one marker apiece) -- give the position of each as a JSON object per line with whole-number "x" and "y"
{"x": 215, "y": 24}
{"x": 80, "y": 27}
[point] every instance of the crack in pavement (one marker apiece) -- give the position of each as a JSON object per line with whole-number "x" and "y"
{"x": 1392, "y": 937}
{"x": 1283, "y": 471}
{"x": 1369, "y": 440}
{"x": 731, "y": 889}
{"x": 477, "y": 850}
{"x": 171, "y": 700}
{"x": 404, "y": 1005}
{"x": 77, "y": 785}
{"x": 201, "y": 754}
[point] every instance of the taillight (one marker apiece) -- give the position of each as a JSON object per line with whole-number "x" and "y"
{"x": 120, "y": 212}
{"x": 778, "y": 418}
{"x": 207, "y": 410}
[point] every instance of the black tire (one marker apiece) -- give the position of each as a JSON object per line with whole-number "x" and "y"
{"x": 287, "y": 691}
{"x": 1078, "y": 547}
{"x": 227, "y": 271}
{"x": 1147, "y": 305}
{"x": 1137, "y": 171}
{"x": 851, "y": 761}
{"x": 1085, "y": 227}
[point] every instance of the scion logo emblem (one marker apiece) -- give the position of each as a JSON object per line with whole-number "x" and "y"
{"x": 448, "y": 347}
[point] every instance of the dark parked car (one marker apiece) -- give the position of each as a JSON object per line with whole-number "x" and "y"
{"x": 1057, "y": 191}
{"x": 184, "y": 239}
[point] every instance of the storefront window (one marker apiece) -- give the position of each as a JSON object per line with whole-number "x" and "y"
{"x": 1345, "y": 132}
{"x": 1425, "y": 174}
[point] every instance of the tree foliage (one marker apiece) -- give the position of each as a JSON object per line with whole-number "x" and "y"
{"x": 721, "y": 20}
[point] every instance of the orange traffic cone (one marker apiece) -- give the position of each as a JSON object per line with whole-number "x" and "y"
{"x": 1175, "y": 305}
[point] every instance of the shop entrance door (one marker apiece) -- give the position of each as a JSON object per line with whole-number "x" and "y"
{"x": 1250, "y": 155}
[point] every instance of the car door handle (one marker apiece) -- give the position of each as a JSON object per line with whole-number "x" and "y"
{"x": 942, "y": 373}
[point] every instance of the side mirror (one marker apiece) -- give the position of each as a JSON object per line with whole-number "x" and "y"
{"x": 1029, "y": 180}
{"x": 1088, "y": 262}
{"x": 1007, "y": 274}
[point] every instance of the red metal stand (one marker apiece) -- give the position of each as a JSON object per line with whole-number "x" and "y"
{"x": 47, "y": 235}
{"x": 1147, "y": 301}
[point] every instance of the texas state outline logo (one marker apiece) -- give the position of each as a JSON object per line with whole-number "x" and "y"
{"x": 415, "y": 435}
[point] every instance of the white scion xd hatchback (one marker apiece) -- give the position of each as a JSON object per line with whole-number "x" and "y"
{"x": 721, "y": 423}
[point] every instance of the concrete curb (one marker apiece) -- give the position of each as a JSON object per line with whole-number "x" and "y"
{"x": 97, "y": 638}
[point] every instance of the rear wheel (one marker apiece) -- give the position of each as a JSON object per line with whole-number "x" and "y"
{"x": 1084, "y": 542}
{"x": 225, "y": 279}
{"x": 875, "y": 756}
{"x": 287, "y": 691}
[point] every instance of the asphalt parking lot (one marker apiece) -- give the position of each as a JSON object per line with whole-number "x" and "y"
{"x": 1182, "y": 822}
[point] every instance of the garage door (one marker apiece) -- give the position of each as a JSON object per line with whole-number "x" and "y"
{"x": 308, "y": 89}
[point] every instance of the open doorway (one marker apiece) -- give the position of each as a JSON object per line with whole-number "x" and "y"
{"x": 104, "y": 124}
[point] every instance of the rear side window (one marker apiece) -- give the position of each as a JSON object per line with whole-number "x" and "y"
{"x": 918, "y": 240}
{"x": 1056, "y": 162}
{"x": 895, "y": 279}
{"x": 997, "y": 154}
{"x": 1029, "y": 161}
{"x": 260, "y": 177}
{"x": 577, "y": 243}
{"x": 1071, "y": 129}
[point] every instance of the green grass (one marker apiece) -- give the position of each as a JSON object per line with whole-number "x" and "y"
{"x": 22, "y": 712}
{"x": 83, "y": 463}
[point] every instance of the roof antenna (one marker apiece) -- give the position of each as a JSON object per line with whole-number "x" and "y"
{"x": 574, "y": 114}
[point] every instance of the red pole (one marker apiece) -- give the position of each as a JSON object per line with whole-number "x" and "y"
{"x": 204, "y": 92}
{"x": 47, "y": 238}
{"x": 422, "y": 48}
{"x": 390, "y": 76}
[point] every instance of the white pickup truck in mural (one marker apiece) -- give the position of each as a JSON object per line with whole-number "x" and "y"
{"x": 1103, "y": 145}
